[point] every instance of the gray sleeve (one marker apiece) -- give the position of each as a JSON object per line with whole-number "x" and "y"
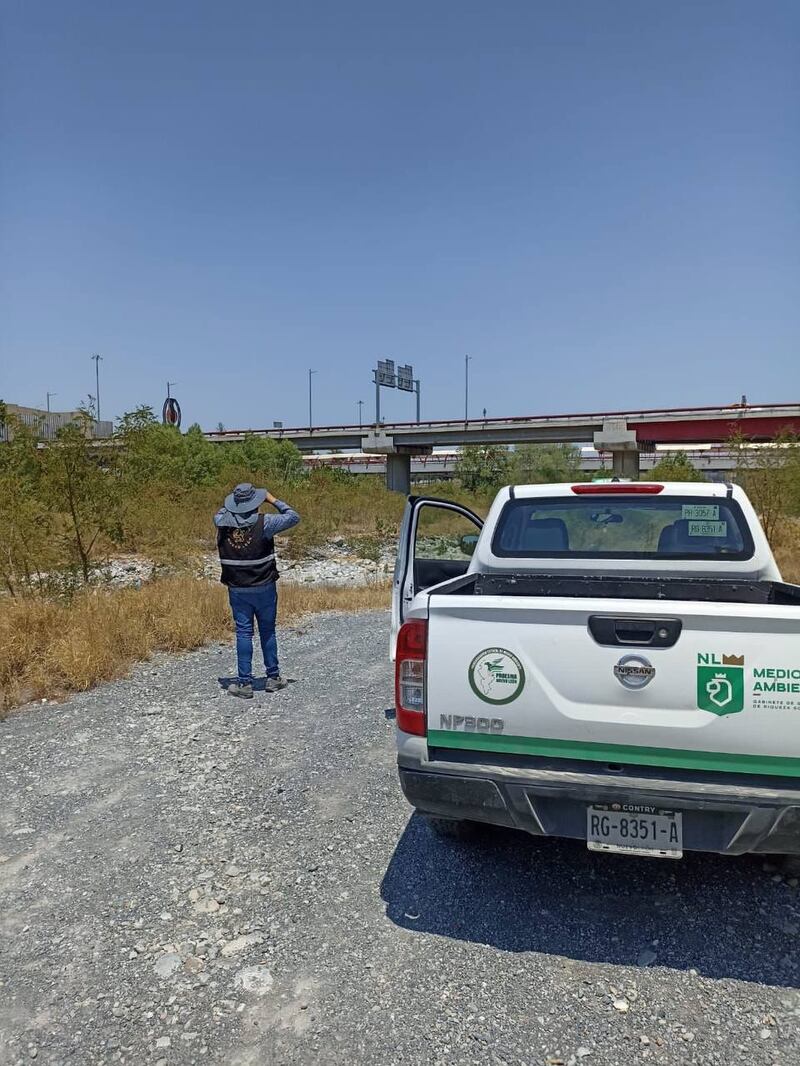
{"x": 284, "y": 519}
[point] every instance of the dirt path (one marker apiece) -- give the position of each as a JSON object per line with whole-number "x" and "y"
{"x": 189, "y": 879}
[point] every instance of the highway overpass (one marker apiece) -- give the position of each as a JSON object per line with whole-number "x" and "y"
{"x": 714, "y": 463}
{"x": 622, "y": 434}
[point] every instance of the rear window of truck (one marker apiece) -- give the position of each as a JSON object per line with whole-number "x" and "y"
{"x": 622, "y": 527}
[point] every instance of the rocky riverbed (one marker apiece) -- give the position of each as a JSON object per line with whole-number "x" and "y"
{"x": 335, "y": 563}
{"x": 338, "y": 562}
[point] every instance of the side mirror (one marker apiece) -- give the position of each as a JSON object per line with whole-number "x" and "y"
{"x": 468, "y": 542}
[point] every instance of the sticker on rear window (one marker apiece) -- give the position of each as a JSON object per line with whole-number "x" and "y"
{"x": 707, "y": 511}
{"x": 708, "y": 529}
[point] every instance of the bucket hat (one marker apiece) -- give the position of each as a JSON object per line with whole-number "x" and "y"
{"x": 245, "y": 498}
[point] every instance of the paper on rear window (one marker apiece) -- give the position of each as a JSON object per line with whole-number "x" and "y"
{"x": 708, "y": 511}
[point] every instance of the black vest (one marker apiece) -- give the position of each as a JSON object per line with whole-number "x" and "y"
{"x": 247, "y": 555}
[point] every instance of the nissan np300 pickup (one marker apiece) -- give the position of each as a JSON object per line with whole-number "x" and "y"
{"x": 612, "y": 662}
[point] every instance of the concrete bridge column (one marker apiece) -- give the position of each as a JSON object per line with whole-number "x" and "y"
{"x": 625, "y": 464}
{"x": 398, "y": 458}
{"x": 398, "y": 473}
{"x": 615, "y": 437}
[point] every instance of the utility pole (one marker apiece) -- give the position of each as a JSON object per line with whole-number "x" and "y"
{"x": 48, "y": 400}
{"x": 310, "y": 413}
{"x": 360, "y": 417}
{"x": 467, "y": 360}
{"x": 97, "y": 360}
{"x": 416, "y": 389}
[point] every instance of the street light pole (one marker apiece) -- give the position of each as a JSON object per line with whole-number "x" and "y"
{"x": 360, "y": 417}
{"x": 48, "y": 400}
{"x": 310, "y": 411}
{"x": 416, "y": 389}
{"x": 169, "y": 386}
{"x": 97, "y": 359}
{"x": 467, "y": 360}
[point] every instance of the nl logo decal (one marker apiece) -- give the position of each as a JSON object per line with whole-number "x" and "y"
{"x": 496, "y": 676}
{"x": 720, "y": 683}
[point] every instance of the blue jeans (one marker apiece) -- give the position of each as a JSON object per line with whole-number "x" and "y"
{"x": 260, "y": 603}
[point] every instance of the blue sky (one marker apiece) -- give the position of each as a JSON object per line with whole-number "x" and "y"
{"x": 598, "y": 201}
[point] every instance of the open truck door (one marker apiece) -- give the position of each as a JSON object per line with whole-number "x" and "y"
{"x": 436, "y": 542}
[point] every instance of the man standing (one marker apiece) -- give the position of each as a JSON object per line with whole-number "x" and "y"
{"x": 247, "y": 556}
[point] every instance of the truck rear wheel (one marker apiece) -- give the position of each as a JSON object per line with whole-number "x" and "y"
{"x": 453, "y": 829}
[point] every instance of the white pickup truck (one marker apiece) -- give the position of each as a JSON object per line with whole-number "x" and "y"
{"x": 615, "y": 662}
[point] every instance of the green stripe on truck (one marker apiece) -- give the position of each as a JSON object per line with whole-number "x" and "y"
{"x": 621, "y": 753}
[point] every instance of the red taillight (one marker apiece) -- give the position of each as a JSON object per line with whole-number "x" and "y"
{"x": 618, "y": 488}
{"x": 409, "y": 677}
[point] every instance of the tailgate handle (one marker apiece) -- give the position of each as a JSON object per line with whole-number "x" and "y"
{"x": 613, "y": 631}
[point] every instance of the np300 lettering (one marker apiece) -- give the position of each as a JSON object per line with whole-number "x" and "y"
{"x": 470, "y": 724}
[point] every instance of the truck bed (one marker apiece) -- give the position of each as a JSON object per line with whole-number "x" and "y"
{"x": 704, "y": 590}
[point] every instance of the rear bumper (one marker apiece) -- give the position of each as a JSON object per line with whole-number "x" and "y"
{"x": 721, "y": 813}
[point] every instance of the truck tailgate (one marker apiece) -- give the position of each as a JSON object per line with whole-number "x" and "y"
{"x": 525, "y": 675}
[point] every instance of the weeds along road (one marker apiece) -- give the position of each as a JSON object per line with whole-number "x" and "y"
{"x": 190, "y": 879}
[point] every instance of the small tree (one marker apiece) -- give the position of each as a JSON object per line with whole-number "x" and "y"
{"x": 673, "y": 467}
{"x": 26, "y": 524}
{"x": 202, "y": 459}
{"x": 78, "y": 481}
{"x": 770, "y": 475}
{"x": 138, "y": 422}
{"x": 277, "y": 460}
{"x": 483, "y": 466}
{"x": 546, "y": 464}
{"x": 149, "y": 453}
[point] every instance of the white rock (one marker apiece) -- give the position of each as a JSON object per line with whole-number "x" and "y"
{"x": 206, "y": 906}
{"x": 167, "y": 965}
{"x": 240, "y": 943}
{"x": 255, "y": 979}
{"x": 621, "y": 1005}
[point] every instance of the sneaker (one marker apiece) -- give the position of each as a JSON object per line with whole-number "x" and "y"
{"x": 244, "y": 692}
{"x": 275, "y": 684}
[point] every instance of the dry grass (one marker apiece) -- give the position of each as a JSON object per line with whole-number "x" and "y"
{"x": 49, "y": 649}
{"x": 296, "y": 601}
{"x": 169, "y": 524}
{"x": 786, "y": 546}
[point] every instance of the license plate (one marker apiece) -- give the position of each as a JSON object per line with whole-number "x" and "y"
{"x": 635, "y": 831}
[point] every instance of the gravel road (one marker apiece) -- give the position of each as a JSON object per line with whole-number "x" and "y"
{"x": 190, "y": 879}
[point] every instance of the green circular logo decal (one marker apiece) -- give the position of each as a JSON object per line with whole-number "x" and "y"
{"x": 496, "y": 676}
